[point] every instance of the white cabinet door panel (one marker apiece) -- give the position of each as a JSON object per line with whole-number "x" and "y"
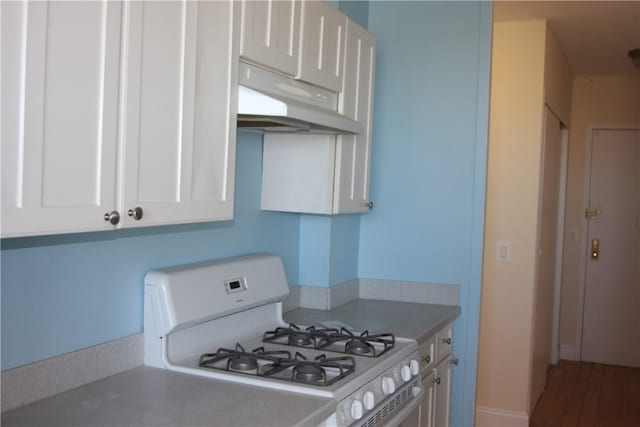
{"x": 426, "y": 407}
{"x": 353, "y": 151}
{"x": 60, "y": 61}
{"x": 442, "y": 401}
{"x": 322, "y": 45}
{"x": 179, "y": 124}
{"x": 271, "y": 33}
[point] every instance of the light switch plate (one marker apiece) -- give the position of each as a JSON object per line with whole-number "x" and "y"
{"x": 503, "y": 253}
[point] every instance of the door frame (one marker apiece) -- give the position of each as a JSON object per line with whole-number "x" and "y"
{"x": 562, "y": 205}
{"x": 582, "y": 259}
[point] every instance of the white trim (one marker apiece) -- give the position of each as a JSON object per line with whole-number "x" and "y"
{"x": 557, "y": 287}
{"x": 569, "y": 352}
{"x": 39, "y": 380}
{"x": 582, "y": 243}
{"x": 494, "y": 417}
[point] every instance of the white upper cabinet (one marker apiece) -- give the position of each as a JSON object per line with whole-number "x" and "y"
{"x": 270, "y": 33}
{"x": 60, "y": 64}
{"x": 327, "y": 174}
{"x": 109, "y": 106}
{"x": 322, "y": 45}
{"x": 353, "y": 152}
{"x": 178, "y": 117}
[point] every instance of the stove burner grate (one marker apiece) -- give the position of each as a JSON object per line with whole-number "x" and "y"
{"x": 334, "y": 340}
{"x": 292, "y": 335}
{"x": 321, "y": 371}
{"x": 239, "y": 360}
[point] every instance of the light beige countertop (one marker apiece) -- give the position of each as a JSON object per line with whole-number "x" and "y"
{"x": 407, "y": 320}
{"x": 147, "y": 396}
{"x": 154, "y": 397}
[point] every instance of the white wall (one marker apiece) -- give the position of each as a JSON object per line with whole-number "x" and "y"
{"x": 528, "y": 71}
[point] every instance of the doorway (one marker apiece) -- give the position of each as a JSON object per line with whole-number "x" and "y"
{"x": 611, "y": 309}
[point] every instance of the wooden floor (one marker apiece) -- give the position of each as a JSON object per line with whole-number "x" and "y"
{"x": 589, "y": 394}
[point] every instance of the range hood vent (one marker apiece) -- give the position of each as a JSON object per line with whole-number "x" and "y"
{"x": 271, "y": 102}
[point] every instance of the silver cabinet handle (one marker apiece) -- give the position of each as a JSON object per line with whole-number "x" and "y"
{"x": 136, "y": 213}
{"x": 113, "y": 217}
{"x": 370, "y": 205}
{"x": 437, "y": 380}
{"x": 426, "y": 359}
{"x": 446, "y": 341}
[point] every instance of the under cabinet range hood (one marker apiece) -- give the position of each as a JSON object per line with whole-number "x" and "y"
{"x": 272, "y": 102}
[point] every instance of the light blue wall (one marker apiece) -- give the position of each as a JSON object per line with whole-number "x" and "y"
{"x": 358, "y": 10}
{"x": 328, "y": 249}
{"x": 429, "y": 160}
{"x": 63, "y": 293}
{"x": 329, "y": 244}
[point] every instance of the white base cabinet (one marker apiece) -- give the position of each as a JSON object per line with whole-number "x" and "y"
{"x": 116, "y": 114}
{"x": 436, "y": 370}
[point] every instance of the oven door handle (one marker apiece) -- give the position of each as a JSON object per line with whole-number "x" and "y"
{"x": 418, "y": 395}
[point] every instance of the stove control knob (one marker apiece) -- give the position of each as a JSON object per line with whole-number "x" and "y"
{"x": 415, "y": 367}
{"x": 356, "y": 410}
{"x": 368, "y": 400}
{"x": 388, "y": 385}
{"x": 405, "y": 373}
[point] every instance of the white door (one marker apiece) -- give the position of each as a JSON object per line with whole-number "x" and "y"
{"x": 271, "y": 33}
{"x": 353, "y": 152}
{"x": 60, "y": 65}
{"x": 179, "y": 116}
{"x": 611, "y": 325}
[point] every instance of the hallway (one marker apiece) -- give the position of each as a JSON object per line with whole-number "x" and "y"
{"x": 589, "y": 394}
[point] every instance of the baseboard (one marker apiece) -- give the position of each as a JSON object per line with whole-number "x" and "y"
{"x": 569, "y": 352}
{"x": 493, "y": 417}
{"x": 39, "y": 380}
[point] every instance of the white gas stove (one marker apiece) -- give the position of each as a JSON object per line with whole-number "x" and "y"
{"x": 223, "y": 320}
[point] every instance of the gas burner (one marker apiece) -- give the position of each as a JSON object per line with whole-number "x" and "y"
{"x": 292, "y": 335}
{"x": 309, "y": 373}
{"x": 321, "y": 371}
{"x": 300, "y": 339}
{"x": 243, "y": 363}
{"x": 239, "y": 360}
{"x": 362, "y": 345}
{"x": 358, "y": 346}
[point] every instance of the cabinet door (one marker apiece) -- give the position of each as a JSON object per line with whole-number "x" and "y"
{"x": 271, "y": 33}
{"x": 426, "y": 407}
{"x": 353, "y": 152}
{"x": 179, "y": 111}
{"x": 60, "y": 65}
{"x": 322, "y": 45}
{"x": 442, "y": 401}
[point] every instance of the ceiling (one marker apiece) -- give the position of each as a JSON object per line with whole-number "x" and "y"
{"x": 595, "y": 36}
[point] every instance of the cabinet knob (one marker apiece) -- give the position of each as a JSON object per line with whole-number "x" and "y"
{"x": 136, "y": 213}
{"x": 113, "y": 217}
{"x": 455, "y": 361}
{"x": 437, "y": 380}
{"x": 370, "y": 205}
{"x": 426, "y": 359}
{"x": 446, "y": 341}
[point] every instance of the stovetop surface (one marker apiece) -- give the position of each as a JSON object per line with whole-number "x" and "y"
{"x": 365, "y": 369}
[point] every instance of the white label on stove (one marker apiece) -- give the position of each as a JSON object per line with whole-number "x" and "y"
{"x": 235, "y": 285}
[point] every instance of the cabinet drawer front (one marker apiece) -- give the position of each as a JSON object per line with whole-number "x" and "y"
{"x": 444, "y": 341}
